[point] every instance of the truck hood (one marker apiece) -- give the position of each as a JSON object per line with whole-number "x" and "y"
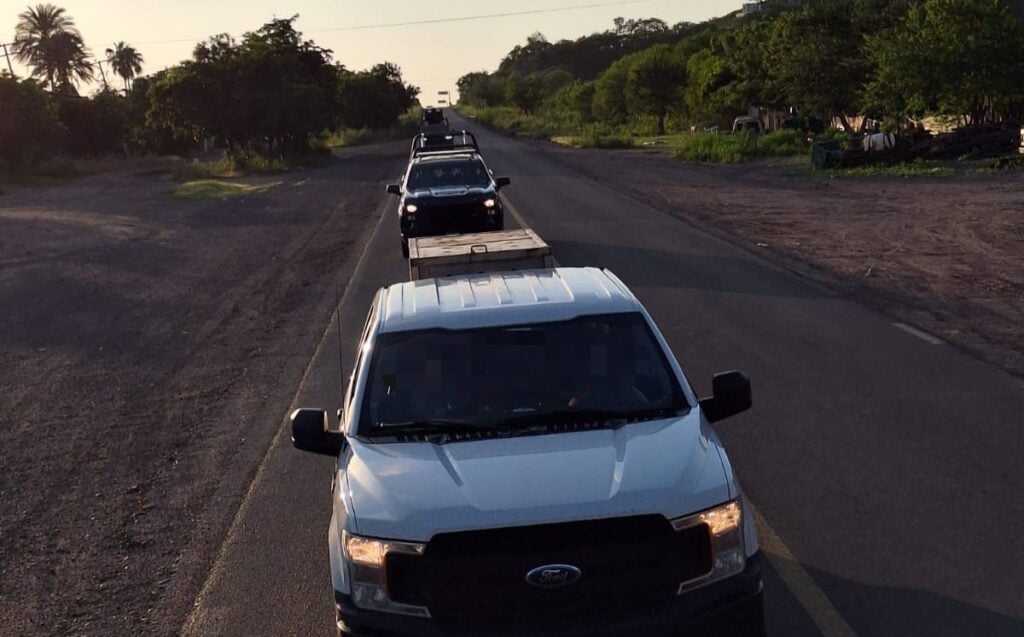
{"x": 448, "y": 194}
{"x": 412, "y": 491}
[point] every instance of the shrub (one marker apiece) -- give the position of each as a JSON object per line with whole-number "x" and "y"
{"x": 717, "y": 148}
{"x": 782, "y": 143}
{"x": 29, "y": 129}
{"x": 725, "y": 148}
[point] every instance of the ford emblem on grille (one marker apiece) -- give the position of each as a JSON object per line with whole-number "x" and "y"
{"x": 553, "y": 576}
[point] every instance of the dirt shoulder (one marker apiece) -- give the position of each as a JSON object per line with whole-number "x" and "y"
{"x": 147, "y": 346}
{"x": 944, "y": 254}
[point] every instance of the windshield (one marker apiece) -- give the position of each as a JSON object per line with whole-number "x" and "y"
{"x": 438, "y": 174}
{"x": 512, "y": 375}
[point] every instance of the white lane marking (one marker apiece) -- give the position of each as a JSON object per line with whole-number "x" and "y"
{"x": 189, "y": 625}
{"x": 800, "y": 583}
{"x": 522, "y": 224}
{"x": 924, "y": 336}
{"x": 515, "y": 214}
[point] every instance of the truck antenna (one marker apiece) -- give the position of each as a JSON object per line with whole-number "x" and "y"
{"x": 337, "y": 318}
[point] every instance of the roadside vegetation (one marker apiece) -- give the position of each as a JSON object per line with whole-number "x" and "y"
{"x": 262, "y": 103}
{"x": 851, "y": 65}
{"x": 219, "y": 189}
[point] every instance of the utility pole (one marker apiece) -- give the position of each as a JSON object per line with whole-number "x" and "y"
{"x": 7, "y": 55}
{"x": 99, "y": 63}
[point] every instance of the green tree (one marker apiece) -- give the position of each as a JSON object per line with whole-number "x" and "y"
{"x": 374, "y": 98}
{"x": 525, "y": 93}
{"x": 954, "y": 57}
{"x": 610, "y": 92}
{"x": 29, "y": 128}
{"x": 729, "y": 74}
{"x": 96, "y": 126}
{"x": 577, "y": 99}
{"x": 481, "y": 89}
{"x": 655, "y": 83}
{"x": 269, "y": 93}
{"x": 46, "y": 39}
{"x": 126, "y": 62}
{"x": 817, "y": 57}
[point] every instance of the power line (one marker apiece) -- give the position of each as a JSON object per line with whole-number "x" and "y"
{"x": 486, "y": 16}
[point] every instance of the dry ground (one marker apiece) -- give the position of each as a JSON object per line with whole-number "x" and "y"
{"x": 946, "y": 254}
{"x": 148, "y": 347}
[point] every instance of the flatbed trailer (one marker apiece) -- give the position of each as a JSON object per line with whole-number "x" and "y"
{"x": 449, "y": 255}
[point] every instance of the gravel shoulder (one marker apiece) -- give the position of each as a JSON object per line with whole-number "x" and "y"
{"x": 147, "y": 346}
{"x": 943, "y": 254}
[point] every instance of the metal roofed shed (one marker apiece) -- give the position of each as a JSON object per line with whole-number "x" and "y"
{"x": 503, "y": 298}
{"x": 431, "y": 257}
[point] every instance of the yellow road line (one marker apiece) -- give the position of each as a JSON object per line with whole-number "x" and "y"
{"x": 800, "y": 583}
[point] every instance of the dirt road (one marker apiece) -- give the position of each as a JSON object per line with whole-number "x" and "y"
{"x": 148, "y": 346}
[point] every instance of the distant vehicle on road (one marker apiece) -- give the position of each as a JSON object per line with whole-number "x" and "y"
{"x": 447, "y": 192}
{"x": 433, "y": 120}
{"x": 520, "y": 453}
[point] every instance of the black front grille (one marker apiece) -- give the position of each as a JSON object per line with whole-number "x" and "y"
{"x": 629, "y": 565}
{"x": 456, "y": 218}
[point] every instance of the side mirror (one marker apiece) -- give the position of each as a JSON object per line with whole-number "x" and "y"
{"x": 501, "y": 182}
{"x": 311, "y": 433}
{"x": 395, "y": 189}
{"x": 731, "y": 396}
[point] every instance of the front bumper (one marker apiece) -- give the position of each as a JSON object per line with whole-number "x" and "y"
{"x": 731, "y": 607}
{"x": 439, "y": 221}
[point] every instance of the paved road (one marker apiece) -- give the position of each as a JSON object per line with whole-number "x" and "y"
{"x": 886, "y": 469}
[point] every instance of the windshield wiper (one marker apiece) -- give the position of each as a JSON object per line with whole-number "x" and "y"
{"x": 560, "y": 416}
{"x": 433, "y": 425}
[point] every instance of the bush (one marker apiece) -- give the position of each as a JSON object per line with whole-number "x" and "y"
{"x": 233, "y": 165}
{"x": 782, "y": 143}
{"x": 725, "y": 148}
{"x": 598, "y": 136}
{"x": 29, "y": 129}
{"x": 95, "y": 126}
{"x": 717, "y": 148}
{"x": 834, "y": 135}
{"x": 511, "y": 120}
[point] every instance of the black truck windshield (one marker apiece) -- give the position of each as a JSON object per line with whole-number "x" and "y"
{"x": 606, "y": 366}
{"x": 440, "y": 174}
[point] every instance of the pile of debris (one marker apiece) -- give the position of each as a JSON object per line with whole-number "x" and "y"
{"x": 975, "y": 142}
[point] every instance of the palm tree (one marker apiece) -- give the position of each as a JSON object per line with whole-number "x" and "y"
{"x": 126, "y": 62}
{"x": 66, "y": 54}
{"x": 46, "y": 40}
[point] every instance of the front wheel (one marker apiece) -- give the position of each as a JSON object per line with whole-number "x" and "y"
{"x": 405, "y": 248}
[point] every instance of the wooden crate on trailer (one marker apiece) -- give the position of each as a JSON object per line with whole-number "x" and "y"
{"x": 432, "y": 257}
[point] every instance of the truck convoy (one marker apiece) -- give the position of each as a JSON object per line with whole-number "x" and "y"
{"x": 520, "y": 453}
{"x": 447, "y": 188}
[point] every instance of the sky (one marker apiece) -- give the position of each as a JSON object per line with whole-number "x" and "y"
{"x": 432, "y": 56}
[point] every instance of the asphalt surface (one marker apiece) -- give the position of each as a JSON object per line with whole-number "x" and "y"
{"x": 886, "y": 468}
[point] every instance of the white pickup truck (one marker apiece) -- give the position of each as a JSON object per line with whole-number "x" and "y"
{"x": 520, "y": 453}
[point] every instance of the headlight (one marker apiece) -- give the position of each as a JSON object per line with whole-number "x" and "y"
{"x": 725, "y": 530}
{"x": 367, "y": 560}
{"x": 411, "y": 208}
{"x": 489, "y": 203}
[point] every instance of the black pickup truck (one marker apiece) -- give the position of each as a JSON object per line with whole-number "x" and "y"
{"x": 448, "y": 192}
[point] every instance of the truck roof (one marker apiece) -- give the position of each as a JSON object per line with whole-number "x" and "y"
{"x": 503, "y": 298}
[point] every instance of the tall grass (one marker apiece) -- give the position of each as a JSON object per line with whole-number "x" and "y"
{"x": 725, "y": 148}
{"x": 407, "y": 126}
{"x": 233, "y": 165}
